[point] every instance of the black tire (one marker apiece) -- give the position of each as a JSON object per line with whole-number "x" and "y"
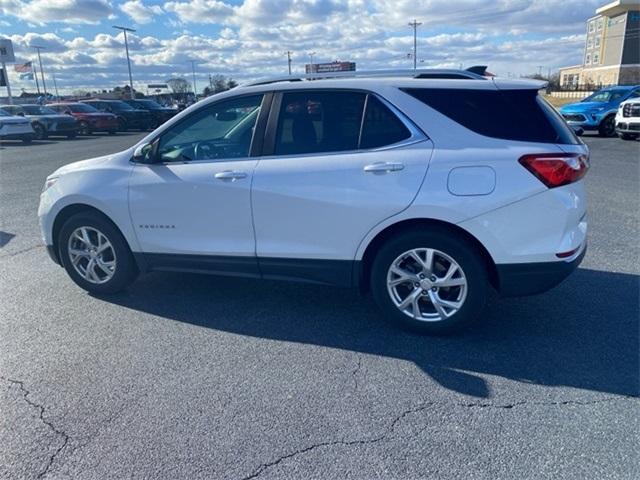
{"x": 628, "y": 136}
{"x": 40, "y": 133}
{"x": 126, "y": 269}
{"x": 607, "y": 127}
{"x": 122, "y": 125}
{"x": 27, "y": 139}
{"x": 111, "y": 132}
{"x": 450, "y": 243}
{"x": 71, "y": 136}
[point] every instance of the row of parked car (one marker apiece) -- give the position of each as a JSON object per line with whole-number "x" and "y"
{"x": 610, "y": 111}
{"x": 38, "y": 122}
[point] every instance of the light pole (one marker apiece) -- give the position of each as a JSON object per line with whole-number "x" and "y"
{"x": 126, "y": 47}
{"x": 415, "y": 24}
{"x": 193, "y": 72}
{"x": 44, "y": 85}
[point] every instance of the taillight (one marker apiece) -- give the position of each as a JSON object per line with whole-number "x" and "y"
{"x": 556, "y": 169}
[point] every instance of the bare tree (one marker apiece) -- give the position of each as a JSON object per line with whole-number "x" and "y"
{"x": 179, "y": 85}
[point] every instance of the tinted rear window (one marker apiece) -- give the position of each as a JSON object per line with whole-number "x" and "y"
{"x": 381, "y": 127}
{"x": 519, "y": 115}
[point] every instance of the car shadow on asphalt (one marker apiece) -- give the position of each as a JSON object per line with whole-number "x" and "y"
{"x": 582, "y": 334}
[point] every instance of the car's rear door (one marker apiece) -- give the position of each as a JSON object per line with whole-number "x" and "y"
{"x": 335, "y": 164}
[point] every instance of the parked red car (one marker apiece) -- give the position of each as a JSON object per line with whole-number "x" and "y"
{"x": 89, "y": 119}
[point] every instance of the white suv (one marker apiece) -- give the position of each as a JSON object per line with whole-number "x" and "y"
{"x": 426, "y": 189}
{"x": 628, "y": 119}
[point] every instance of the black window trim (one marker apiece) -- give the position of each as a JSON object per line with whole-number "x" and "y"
{"x": 257, "y": 138}
{"x": 417, "y": 135}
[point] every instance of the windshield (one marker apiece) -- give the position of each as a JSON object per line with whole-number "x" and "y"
{"x": 149, "y": 104}
{"x": 81, "y": 108}
{"x": 120, "y": 106}
{"x": 606, "y": 96}
{"x": 38, "y": 110}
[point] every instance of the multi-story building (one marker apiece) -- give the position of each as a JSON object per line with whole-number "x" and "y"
{"x": 612, "y": 48}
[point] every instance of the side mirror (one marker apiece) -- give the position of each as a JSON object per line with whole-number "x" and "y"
{"x": 145, "y": 153}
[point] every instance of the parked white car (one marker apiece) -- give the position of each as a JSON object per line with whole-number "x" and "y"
{"x": 14, "y": 127}
{"x": 426, "y": 188}
{"x": 628, "y": 119}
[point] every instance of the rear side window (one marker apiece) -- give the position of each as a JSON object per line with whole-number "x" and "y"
{"x": 381, "y": 126}
{"x": 519, "y": 115}
{"x": 335, "y": 121}
{"x": 319, "y": 121}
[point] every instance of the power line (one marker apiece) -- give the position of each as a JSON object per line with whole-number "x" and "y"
{"x": 126, "y": 46}
{"x": 415, "y": 24}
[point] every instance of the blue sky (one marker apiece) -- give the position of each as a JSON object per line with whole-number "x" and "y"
{"x": 248, "y": 38}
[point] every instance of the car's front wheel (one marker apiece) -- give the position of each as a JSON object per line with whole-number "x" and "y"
{"x": 607, "y": 127}
{"x": 39, "y": 132}
{"x": 95, "y": 254}
{"x": 430, "y": 281}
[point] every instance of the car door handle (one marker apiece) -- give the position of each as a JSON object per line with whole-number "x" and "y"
{"x": 384, "y": 167}
{"x": 230, "y": 175}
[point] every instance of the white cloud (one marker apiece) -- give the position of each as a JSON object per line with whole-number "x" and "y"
{"x": 139, "y": 12}
{"x": 65, "y": 11}
{"x": 200, "y": 11}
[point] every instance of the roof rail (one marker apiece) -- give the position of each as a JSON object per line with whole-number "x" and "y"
{"x": 420, "y": 73}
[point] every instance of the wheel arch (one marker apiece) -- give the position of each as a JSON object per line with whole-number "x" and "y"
{"x": 413, "y": 224}
{"x": 69, "y": 211}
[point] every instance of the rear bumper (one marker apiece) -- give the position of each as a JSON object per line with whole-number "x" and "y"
{"x": 520, "y": 279}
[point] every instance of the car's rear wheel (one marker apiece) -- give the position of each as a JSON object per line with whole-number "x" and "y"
{"x": 111, "y": 132}
{"x": 95, "y": 254}
{"x": 607, "y": 127}
{"x": 429, "y": 281}
{"x": 122, "y": 125}
{"x": 39, "y": 132}
{"x": 71, "y": 136}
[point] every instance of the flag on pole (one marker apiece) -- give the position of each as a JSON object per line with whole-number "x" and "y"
{"x": 23, "y": 68}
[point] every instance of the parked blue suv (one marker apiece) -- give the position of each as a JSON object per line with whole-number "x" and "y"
{"x": 598, "y": 111}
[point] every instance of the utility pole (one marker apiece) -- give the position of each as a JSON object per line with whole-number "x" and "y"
{"x": 415, "y": 24}
{"x": 193, "y": 72}
{"x": 289, "y": 52}
{"x": 35, "y": 75}
{"x": 55, "y": 86}
{"x": 126, "y": 47}
{"x": 540, "y": 67}
{"x": 44, "y": 85}
{"x": 311, "y": 54}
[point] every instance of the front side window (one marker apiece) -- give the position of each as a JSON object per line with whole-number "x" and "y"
{"x": 38, "y": 110}
{"x": 220, "y": 131}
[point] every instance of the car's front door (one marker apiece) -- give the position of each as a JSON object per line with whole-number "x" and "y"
{"x": 336, "y": 164}
{"x": 193, "y": 204}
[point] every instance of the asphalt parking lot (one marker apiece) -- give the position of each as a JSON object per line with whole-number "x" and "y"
{"x": 187, "y": 376}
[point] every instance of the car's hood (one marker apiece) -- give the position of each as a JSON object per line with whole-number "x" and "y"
{"x": 634, "y": 101}
{"x": 13, "y": 120}
{"x": 86, "y": 164}
{"x": 582, "y": 107}
{"x": 53, "y": 118}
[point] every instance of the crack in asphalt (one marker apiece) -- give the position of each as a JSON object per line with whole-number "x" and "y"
{"x": 389, "y": 430}
{"x": 52, "y": 427}
{"x": 24, "y": 250}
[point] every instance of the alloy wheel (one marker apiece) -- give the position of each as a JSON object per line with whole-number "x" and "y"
{"x": 92, "y": 255}
{"x": 427, "y": 284}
